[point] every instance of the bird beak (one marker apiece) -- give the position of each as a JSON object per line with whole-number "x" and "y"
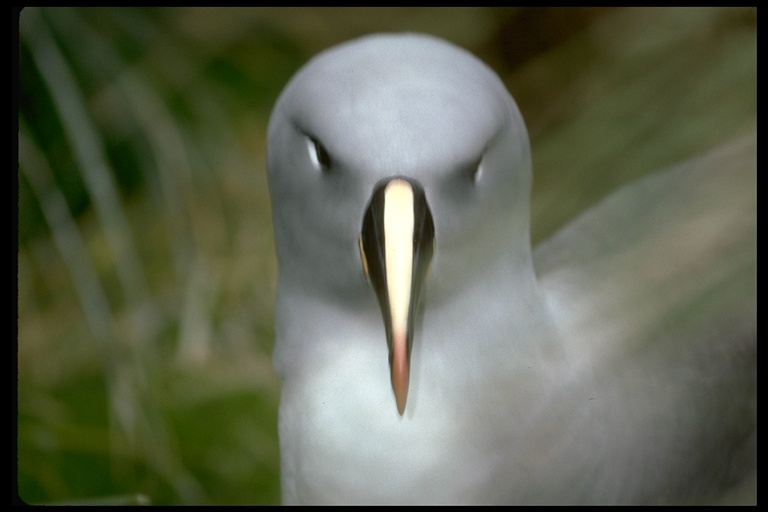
{"x": 396, "y": 245}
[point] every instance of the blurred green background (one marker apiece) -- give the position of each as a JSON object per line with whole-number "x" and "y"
{"x": 146, "y": 271}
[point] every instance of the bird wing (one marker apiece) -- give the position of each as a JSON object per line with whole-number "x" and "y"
{"x": 655, "y": 288}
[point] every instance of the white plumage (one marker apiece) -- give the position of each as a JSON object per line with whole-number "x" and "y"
{"x": 615, "y": 364}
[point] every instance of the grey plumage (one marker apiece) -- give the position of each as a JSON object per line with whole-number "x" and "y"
{"x": 616, "y": 364}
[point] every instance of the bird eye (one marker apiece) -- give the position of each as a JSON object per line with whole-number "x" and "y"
{"x": 478, "y": 171}
{"x": 319, "y": 154}
{"x": 474, "y": 170}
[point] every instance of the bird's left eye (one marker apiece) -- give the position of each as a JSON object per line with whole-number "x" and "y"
{"x": 477, "y": 173}
{"x": 319, "y": 154}
{"x": 474, "y": 170}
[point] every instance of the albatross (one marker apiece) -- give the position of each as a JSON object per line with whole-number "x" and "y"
{"x": 428, "y": 355}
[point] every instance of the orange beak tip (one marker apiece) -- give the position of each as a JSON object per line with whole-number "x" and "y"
{"x": 400, "y": 374}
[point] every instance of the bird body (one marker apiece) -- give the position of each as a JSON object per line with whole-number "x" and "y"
{"x": 588, "y": 372}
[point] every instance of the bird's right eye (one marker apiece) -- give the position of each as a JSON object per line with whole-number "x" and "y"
{"x": 318, "y": 154}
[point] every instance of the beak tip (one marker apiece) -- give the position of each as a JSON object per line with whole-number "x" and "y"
{"x": 401, "y": 400}
{"x": 400, "y": 368}
{"x": 400, "y": 387}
